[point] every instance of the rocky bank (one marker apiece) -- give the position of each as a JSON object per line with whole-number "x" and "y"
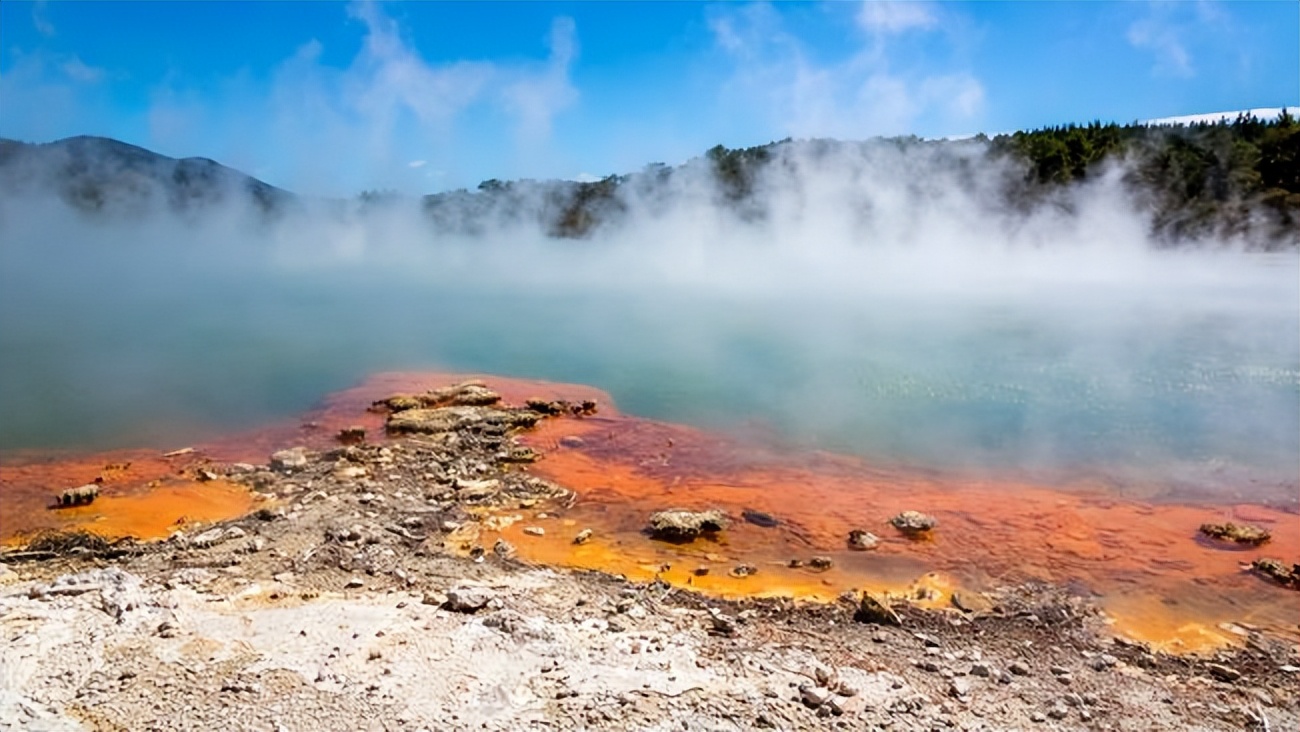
{"x": 362, "y": 594}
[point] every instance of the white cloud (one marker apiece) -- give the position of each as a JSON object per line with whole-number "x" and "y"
{"x": 1169, "y": 31}
{"x": 536, "y": 97}
{"x": 356, "y": 125}
{"x": 777, "y": 77}
{"x": 80, "y": 71}
{"x": 889, "y": 16}
{"x": 1164, "y": 42}
{"x": 40, "y": 22}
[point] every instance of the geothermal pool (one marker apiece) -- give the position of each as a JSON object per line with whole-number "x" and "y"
{"x": 1067, "y": 418}
{"x": 1189, "y": 391}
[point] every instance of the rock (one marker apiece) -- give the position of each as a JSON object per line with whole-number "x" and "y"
{"x": 861, "y": 540}
{"x": 814, "y": 696}
{"x": 871, "y": 610}
{"x": 821, "y": 564}
{"x": 79, "y": 496}
{"x": 1223, "y": 673}
{"x": 503, "y": 549}
{"x": 466, "y": 393}
{"x": 350, "y": 472}
{"x": 970, "y": 602}
{"x": 983, "y": 670}
{"x": 572, "y": 441}
{"x": 1103, "y": 662}
{"x": 400, "y": 402}
{"x": 354, "y": 583}
{"x": 841, "y": 706}
{"x": 913, "y": 523}
{"x": 1059, "y": 670}
{"x": 1018, "y": 668}
{"x": 721, "y": 624}
{"x": 959, "y": 687}
{"x": 436, "y": 599}
{"x": 684, "y": 526}
{"x": 1277, "y": 571}
{"x": 468, "y": 599}
{"x": 758, "y": 518}
{"x": 352, "y": 435}
{"x": 292, "y": 459}
{"x": 449, "y": 419}
{"x": 208, "y": 538}
{"x": 1058, "y": 711}
{"x": 583, "y": 536}
{"x": 234, "y": 532}
{"x": 1238, "y": 533}
{"x": 743, "y": 570}
{"x": 534, "y": 531}
{"x": 558, "y": 407}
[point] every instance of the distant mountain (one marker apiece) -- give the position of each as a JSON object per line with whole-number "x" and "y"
{"x": 99, "y": 174}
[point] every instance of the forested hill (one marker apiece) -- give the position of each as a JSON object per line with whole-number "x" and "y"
{"x": 100, "y": 174}
{"x": 1205, "y": 182}
{"x": 1229, "y": 181}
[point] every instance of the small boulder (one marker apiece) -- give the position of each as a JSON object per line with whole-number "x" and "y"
{"x": 913, "y": 523}
{"x": 1237, "y": 533}
{"x": 1277, "y": 571}
{"x": 861, "y": 540}
{"x": 352, "y": 435}
{"x": 466, "y": 394}
{"x": 821, "y": 564}
{"x": 468, "y": 599}
{"x": 295, "y": 458}
{"x": 683, "y": 526}
{"x": 503, "y": 549}
{"x": 583, "y": 536}
{"x": 871, "y": 610}
{"x": 814, "y": 696}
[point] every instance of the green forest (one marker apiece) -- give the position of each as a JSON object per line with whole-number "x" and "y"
{"x": 1220, "y": 181}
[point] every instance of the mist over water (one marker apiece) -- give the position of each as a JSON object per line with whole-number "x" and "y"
{"x": 879, "y": 305}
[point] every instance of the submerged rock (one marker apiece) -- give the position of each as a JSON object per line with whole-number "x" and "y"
{"x": 558, "y": 407}
{"x": 758, "y": 518}
{"x": 1239, "y": 533}
{"x": 913, "y": 523}
{"x": 682, "y": 525}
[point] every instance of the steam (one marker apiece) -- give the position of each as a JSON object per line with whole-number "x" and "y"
{"x": 876, "y": 298}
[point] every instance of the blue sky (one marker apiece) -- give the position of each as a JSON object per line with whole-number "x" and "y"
{"x": 334, "y": 98}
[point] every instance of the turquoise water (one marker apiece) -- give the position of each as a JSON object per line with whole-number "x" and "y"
{"x": 1196, "y": 386}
